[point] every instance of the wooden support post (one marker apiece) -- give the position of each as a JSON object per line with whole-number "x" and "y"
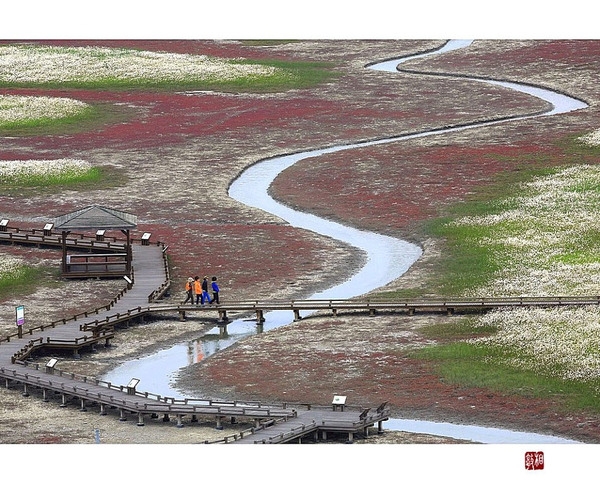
{"x": 182, "y": 315}
{"x": 194, "y": 418}
{"x": 411, "y": 311}
{"x": 25, "y": 392}
{"x": 297, "y": 316}
{"x": 222, "y": 330}
{"x": 350, "y": 437}
{"x": 260, "y": 318}
{"x": 102, "y": 409}
{"x": 166, "y": 418}
{"x": 179, "y": 421}
{"x": 64, "y": 400}
{"x": 256, "y": 423}
{"x": 324, "y": 434}
{"x": 223, "y": 315}
{"x": 380, "y": 427}
{"x": 76, "y": 354}
{"x": 45, "y": 395}
{"x": 140, "y": 419}
{"x": 83, "y": 409}
{"x": 335, "y": 311}
{"x": 122, "y": 417}
{"x": 219, "y": 423}
{"x": 372, "y": 312}
{"x": 450, "y": 311}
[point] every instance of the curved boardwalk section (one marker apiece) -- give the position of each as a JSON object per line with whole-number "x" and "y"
{"x": 150, "y": 282}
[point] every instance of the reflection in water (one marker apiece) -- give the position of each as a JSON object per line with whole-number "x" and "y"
{"x": 386, "y": 258}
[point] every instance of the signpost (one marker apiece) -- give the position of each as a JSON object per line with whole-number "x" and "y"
{"x": 20, "y": 310}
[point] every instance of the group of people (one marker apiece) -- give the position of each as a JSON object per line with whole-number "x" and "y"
{"x": 197, "y": 292}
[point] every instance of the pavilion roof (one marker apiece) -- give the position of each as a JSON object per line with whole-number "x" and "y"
{"x": 96, "y": 217}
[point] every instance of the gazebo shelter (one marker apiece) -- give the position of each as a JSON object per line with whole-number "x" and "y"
{"x": 103, "y": 259}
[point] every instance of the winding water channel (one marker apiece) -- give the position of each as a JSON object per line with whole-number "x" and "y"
{"x": 387, "y": 259}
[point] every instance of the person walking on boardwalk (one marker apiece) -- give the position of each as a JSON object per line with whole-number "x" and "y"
{"x": 189, "y": 290}
{"x": 215, "y": 289}
{"x": 197, "y": 289}
{"x": 205, "y": 295}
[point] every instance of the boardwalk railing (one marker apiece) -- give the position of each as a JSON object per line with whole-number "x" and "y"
{"x": 75, "y": 317}
{"x": 103, "y": 329}
{"x": 373, "y": 306}
{"x": 160, "y": 292}
{"x": 293, "y": 433}
{"x": 54, "y": 239}
{"x": 128, "y": 399}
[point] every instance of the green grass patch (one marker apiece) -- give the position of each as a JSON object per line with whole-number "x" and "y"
{"x": 61, "y": 123}
{"x": 470, "y": 365}
{"x": 92, "y": 117}
{"x": 466, "y": 264}
{"x": 96, "y": 178}
{"x": 290, "y": 75}
{"x": 23, "y": 280}
{"x": 65, "y": 178}
{"x": 470, "y": 260}
{"x": 459, "y": 328}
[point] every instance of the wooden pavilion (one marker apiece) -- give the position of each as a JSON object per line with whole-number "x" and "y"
{"x": 103, "y": 259}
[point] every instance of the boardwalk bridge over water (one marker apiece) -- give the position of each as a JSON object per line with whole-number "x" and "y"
{"x": 147, "y": 291}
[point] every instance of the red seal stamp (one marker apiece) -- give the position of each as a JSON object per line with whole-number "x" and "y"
{"x": 534, "y": 461}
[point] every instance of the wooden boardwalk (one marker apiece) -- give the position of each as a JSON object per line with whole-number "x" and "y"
{"x": 316, "y": 424}
{"x": 144, "y": 294}
{"x": 150, "y": 281}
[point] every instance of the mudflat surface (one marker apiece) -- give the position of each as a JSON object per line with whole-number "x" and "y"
{"x": 174, "y": 155}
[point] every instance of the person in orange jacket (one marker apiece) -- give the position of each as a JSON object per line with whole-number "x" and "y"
{"x": 189, "y": 290}
{"x": 197, "y": 289}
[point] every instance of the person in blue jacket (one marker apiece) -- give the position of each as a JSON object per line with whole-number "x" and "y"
{"x": 205, "y": 295}
{"x": 215, "y": 289}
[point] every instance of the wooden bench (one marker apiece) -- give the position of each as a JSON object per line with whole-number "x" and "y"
{"x": 93, "y": 263}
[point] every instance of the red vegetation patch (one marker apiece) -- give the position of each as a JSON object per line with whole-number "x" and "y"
{"x": 390, "y": 187}
{"x": 268, "y": 260}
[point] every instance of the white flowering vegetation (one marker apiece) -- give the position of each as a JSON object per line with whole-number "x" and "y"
{"x": 563, "y": 343}
{"x": 546, "y": 242}
{"x": 591, "y": 139}
{"x": 20, "y": 111}
{"x": 27, "y": 64}
{"x": 12, "y": 270}
{"x": 9, "y": 264}
{"x": 41, "y": 172}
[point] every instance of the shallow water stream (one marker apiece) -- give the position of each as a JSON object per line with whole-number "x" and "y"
{"x": 386, "y": 260}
